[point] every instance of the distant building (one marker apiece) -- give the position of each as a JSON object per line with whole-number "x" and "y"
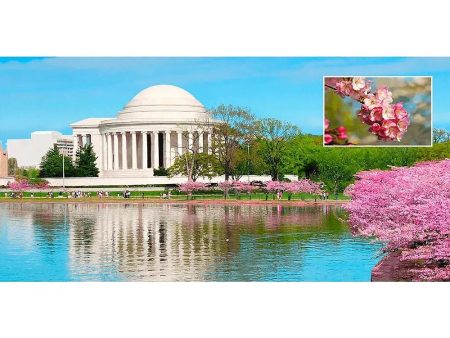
{"x": 29, "y": 152}
{"x": 3, "y": 162}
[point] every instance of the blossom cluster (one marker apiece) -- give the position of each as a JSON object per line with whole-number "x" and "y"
{"x": 409, "y": 210}
{"x": 23, "y": 184}
{"x": 238, "y": 186}
{"x": 389, "y": 121}
{"x": 355, "y": 87}
{"x": 19, "y": 185}
{"x": 335, "y": 135}
{"x": 300, "y": 186}
{"x": 191, "y": 186}
{"x": 243, "y": 186}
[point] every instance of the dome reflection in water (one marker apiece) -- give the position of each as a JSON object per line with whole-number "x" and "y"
{"x": 180, "y": 242}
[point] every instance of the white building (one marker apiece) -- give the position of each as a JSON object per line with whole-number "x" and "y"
{"x": 29, "y": 152}
{"x": 159, "y": 123}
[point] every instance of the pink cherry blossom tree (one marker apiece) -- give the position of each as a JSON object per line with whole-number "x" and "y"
{"x": 243, "y": 187}
{"x": 191, "y": 186}
{"x": 226, "y": 187}
{"x": 275, "y": 187}
{"x": 236, "y": 186}
{"x": 302, "y": 186}
{"x": 21, "y": 184}
{"x": 408, "y": 209}
{"x": 387, "y": 120}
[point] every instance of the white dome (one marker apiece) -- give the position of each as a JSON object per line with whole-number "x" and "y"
{"x": 163, "y": 102}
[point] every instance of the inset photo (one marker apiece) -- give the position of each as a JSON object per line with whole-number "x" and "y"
{"x": 377, "y": 111}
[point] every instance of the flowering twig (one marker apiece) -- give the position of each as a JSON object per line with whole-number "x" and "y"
{"x": 388, "y": 120}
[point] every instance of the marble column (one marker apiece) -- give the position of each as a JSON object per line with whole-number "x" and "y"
{"x": 116, "y": 152}
{"x": 110, "y": 151}
{"x": 155, "y": 145}
{"x": 180, "y": 142}
{"x": 200, "y": 142}
{"x": 75, "y": 146}
{"x": 190, "y": 142}
{"x": 104, "y": 152}
{"x": 167, "y": 150}
{"x": 83, "y": 140}
{"x": 124, "y": 151}
{"x": 144, "y": 151}
{"x": 209, "y": 143}
{"x": 133, "y": 150}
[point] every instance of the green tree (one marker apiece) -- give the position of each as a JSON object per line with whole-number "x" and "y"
{"x": 248, "y": 161}
{"x": 275, "y": 137}
{"x": 301, "y": 154}
{"x": 12, "y": 166}
{"x": 234, "y": 130}
{"x": 195, "y": 165}
{"x": 52, "y": 165}
{"x": 440, "y": 136}
{"x": 439, "y": 151}
{"x": 85, "y": 162}
{"x": 336, "y": 170}
{"x": 32, "y": 175}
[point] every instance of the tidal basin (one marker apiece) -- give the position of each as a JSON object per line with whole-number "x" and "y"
{"x": 180, "y": 242}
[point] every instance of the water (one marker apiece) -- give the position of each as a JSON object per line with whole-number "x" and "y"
{"x": 180, "y": 242}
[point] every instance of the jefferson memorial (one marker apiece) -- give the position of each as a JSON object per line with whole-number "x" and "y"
{"x": 158, "y": 124}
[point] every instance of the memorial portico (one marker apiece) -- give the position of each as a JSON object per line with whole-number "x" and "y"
{"x": 157, "y": 125}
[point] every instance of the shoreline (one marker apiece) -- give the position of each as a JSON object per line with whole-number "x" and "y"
{"x": 173, "y": 201}
{"x": 392, "y": 269}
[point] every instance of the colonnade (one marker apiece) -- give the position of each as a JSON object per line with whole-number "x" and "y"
{"x": 134, "y": 150}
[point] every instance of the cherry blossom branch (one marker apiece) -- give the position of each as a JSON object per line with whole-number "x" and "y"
{"x": 335, "y": 89}
{"x": 387, "y": 120}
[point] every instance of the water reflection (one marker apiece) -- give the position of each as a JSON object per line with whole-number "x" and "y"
{"x": 179, "y": 242}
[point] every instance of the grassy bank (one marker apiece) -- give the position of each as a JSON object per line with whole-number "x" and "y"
{"x": 175, "y": 195}
{"x": 234, "y": 202}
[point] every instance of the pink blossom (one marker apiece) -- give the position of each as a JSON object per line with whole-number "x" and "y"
{"x": 375, "y": 128}
{"x": 225, "y": 185}
{"x": 23, "y": 184}
{"x": 403, "y": 124}
{"x": 238, "y": 186}
{"x": 388, "y": 112}
{"x": 364, "y": 115}
{"x": 371, "y": 101}
{"x": 358, "y": 83}
{"x": 384, "y": 95}
{"x": 399, "y": 111}
{"x": 332, "y": 81}
{"x": 275, "y": 186}
{"x": 341, "y": 133}
{"x": 408, "y": 209}
{"x": 191, "y": 186}
{"x": 376, "y": 114}
{"x": 344, "y": 88}
{"x": 19, "y": 185}
{"x": 391, "y": 129}
{"x": 302, "y": 186}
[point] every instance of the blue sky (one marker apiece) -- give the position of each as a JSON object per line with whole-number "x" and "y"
{"x": 51, "y": 93}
